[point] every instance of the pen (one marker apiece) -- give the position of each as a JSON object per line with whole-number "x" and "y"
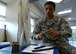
{"x": 39, "y": 47}
{"x": 37, "y": 50}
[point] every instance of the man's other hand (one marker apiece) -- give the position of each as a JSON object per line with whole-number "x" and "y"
{"x": 54, "y": 33}
{"x": 38, "y": 37}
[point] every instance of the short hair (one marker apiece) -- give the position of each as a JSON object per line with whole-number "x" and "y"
{"x": 50, "y": 3}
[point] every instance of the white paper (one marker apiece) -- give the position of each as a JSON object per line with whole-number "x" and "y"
{"x": 31, "y": 47}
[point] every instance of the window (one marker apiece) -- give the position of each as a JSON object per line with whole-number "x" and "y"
{"x": 73, "y": 32}
{"x": 2, "y": 10}
{"x": 2, "y": 15}
{"x": 72, "y": 40}
{"x": 32, "y": 24}
{"x": 2, "y": 20}
{"x": 33, "y": 19}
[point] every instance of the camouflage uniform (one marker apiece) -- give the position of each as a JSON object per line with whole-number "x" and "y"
{"x": 58, "y": 24}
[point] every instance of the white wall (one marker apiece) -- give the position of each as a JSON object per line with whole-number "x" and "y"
{"x": 12, "y": 21}
{"x": 1, "y": 35}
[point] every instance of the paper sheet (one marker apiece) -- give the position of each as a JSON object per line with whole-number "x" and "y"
{"x": 31, "y": 47}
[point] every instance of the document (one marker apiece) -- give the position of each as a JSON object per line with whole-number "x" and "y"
{"x": 44, "y": 50}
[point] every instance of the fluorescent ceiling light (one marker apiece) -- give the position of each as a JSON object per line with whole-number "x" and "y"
{"x": 56, "y": 1}
{"x": 66, "y": 11}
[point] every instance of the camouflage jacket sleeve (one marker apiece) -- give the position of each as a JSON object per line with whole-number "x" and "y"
{"x": 37, "y": 30}
{"x": 65, "y": 29}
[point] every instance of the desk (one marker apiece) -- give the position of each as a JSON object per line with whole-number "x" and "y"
{"x": 5, "y": 48}
{"x": 28, "y": 49}
{"x": 4, "y": 44}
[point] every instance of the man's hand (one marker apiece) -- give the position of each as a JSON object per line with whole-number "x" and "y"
{"x": 38, "y": 37}
{"x": 52, "y": 32}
